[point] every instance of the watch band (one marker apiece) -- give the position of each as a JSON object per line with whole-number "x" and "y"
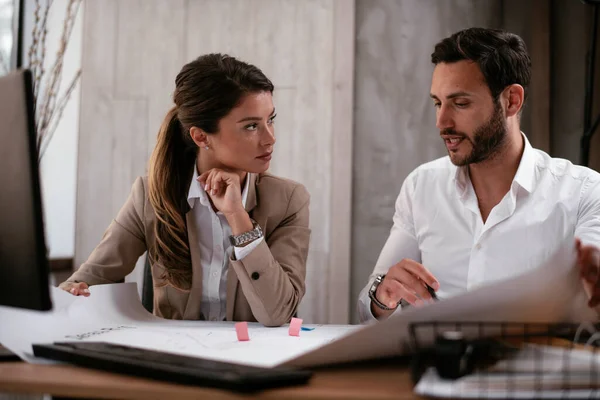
{"x": 373, "y": 290}
{"x": 247, "y": 237}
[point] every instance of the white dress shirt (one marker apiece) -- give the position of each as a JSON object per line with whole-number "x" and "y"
{"x": 437, "y": 222}
{"x": 213, "y": 231}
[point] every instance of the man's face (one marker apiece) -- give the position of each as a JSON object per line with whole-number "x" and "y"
{"x": 471, "y": 124}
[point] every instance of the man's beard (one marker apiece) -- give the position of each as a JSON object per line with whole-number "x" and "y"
{"x": 488, "y": 140}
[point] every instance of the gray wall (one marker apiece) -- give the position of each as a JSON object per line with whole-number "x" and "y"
{"x": 569, "y": 46}
{"x": 394, "y": 124}
{"x": 516, "y": 15}
{"x": 394, "y": 120}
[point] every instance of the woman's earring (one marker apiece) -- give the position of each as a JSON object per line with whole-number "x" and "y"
{"x": 206, "y": 147}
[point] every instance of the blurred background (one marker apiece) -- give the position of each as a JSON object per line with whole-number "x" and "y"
{"x": 352, "y": 82}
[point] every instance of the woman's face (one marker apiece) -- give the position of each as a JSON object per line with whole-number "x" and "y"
{"x": 246, "y": 135}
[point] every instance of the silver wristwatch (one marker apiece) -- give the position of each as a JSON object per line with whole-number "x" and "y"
{"x": 373, "y": 290}
{"x": 247, "y": 237}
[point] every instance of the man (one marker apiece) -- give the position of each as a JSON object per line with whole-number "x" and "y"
{"x": 495, "y": 207}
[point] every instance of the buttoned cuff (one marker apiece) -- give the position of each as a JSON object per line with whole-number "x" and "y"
{"x": 241, "y": 252}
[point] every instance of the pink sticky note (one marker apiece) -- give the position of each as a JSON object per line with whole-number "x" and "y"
{"x": 295, "y": 325}
{"x": 241, "y": 328}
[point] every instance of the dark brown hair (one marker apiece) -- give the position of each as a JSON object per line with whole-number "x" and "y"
{"x": 502, "y": 56}
{"x": 206, "y": 90}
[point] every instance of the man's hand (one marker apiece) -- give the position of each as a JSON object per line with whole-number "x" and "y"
{"x": 588, "y": 262}
{"x": 224, "y": 190}
{"x": 406, "y": 280}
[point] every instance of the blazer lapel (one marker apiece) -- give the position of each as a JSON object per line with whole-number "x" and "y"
{"x": 232, "y": 279}
{"x": 193, "y": 307}
{"x": 251, "y": 198}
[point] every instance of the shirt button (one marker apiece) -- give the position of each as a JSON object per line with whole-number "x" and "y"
{"x": 214, "y": 274}
{"x": 478, "y": 246}
{"x": 255, "y": 276}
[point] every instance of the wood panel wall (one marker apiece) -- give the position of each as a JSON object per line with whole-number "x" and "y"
{"x": 132, "y": 51}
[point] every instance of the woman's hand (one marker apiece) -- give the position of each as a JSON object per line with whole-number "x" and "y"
{"x": 224, "y": 190}
{"x": 76, "y": 288}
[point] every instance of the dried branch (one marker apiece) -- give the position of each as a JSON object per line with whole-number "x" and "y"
{"x": 53, "y": 86}
{"x": 34, "y": 33}
{"x": 37, "y": 49}
{"x": 55, "y": 119}
{"x": 50, "y": 104}
{"x": 44, "y": 31}
{"x": 33, "y": 61}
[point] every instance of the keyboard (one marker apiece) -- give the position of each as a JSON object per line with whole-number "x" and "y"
{"x": 170, "y": 367}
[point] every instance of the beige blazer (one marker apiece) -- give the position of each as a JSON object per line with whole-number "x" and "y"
{"x": 266, "y": 286}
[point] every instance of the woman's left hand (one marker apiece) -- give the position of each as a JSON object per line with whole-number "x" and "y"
{"x": 588, "y": 261}
{"x": 224, "y": 190}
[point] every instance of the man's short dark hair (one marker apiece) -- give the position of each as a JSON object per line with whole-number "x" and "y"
{"x": 502, "y": 56}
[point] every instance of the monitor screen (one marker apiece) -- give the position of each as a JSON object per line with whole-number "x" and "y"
{"x": 24, "y": 280}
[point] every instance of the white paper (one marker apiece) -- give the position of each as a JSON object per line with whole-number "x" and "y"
{"x": 501, "y": 387}
{"x": 114, "y": 314}
{"x": 533, "y": 358}
{"x": 550, "y": 293}
{"x": 20, "y": 328}
{"x": 267, "y": 347}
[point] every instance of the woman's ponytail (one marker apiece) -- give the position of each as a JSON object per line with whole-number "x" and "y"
{"x": 170, "y": 170}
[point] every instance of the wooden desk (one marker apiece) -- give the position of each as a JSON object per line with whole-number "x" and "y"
{"x": 387, "y": 380}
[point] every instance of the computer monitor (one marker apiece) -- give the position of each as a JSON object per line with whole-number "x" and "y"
{"x": 24, "y": 280}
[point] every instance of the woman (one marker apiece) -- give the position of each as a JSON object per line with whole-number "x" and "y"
{"x": 226, "y": 240}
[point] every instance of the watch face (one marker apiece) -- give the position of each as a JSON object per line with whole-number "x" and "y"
{"x": 374, "y": 287}
{"x": 376, "y": 282}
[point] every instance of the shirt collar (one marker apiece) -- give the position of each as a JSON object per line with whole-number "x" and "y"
{"x": 525, "y": 176}
{"x": 196, "y": 191}
{"x": 461, "y": 178}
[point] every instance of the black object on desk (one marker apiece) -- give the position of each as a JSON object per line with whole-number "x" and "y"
{"x": 454, "y": 357}
{"x": 7, "y": 355}
{"x": 171, "y": 367}
{"x": 24, "y": 266}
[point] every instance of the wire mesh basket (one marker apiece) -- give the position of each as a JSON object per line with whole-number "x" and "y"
{"x": 506, "y": 360}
